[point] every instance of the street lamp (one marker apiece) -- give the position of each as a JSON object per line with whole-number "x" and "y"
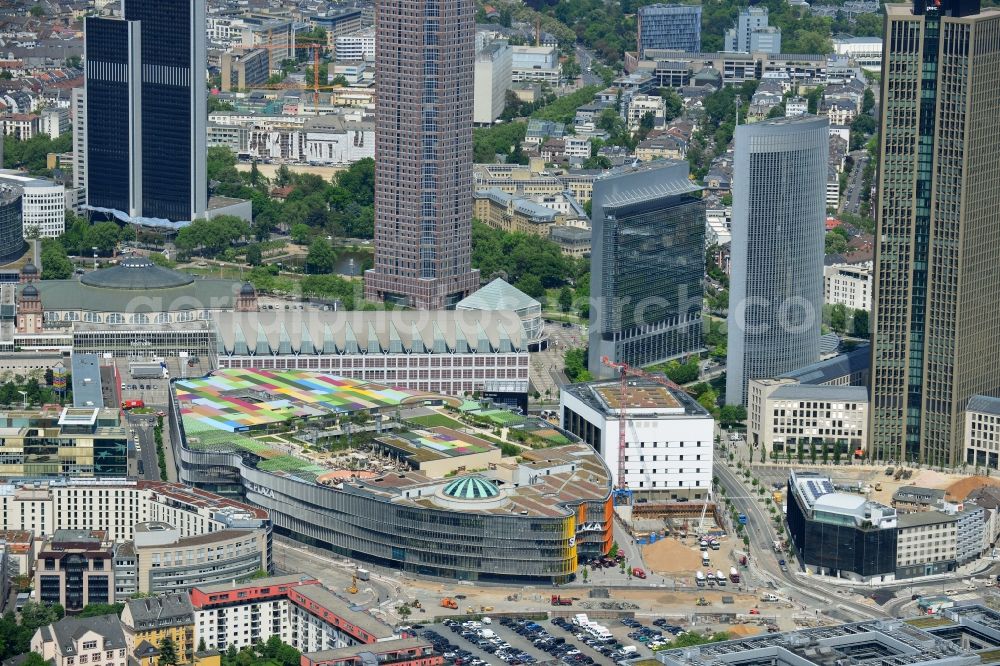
{"x": 24, "y": 399}
{"x": 95, "y": 256}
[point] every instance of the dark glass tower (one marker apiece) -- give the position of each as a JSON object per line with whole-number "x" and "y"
{"x": 424, "y": 58}
{"x": 646, "y": 266}
{"x": 936, "y": 300}
{"x": 146, "y": 99}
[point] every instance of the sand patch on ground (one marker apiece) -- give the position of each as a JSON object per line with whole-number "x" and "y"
{"x": 744, "y": 630}
{"x": 961, "y": 489}
{"x": 673, "y": 557}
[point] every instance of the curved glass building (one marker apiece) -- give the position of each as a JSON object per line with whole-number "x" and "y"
{"x": 11, "y": 227}
{"x": 776, "y": 281}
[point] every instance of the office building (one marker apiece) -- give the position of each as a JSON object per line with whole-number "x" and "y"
{"x": 539, "y": 64}
{"x": 43, "y": 204}
{"x": 398, "y": 652}
{"x": 982, "y": 432}
{"x": 357, "y": 46}
{"x": 785, "y": 416}
{"x": 151, "y": 620}
{"x": 670, "y": 27}
{"x": 145, "y": 80}
{"x": 52, "y": 443}
{"x": 668, "y": 436}
{"x": 840, "y": 534}
{"x": 752, "y": 34}
{"x": 936, "y": 304}
{"x": 849, "y": 285}
{"x": 244, "y": 69}
{"x": 423, "y": 140}
{"x": 12, "y": 244}
{"x": 492, "y": 80}
{"x": 646, "y": 265}
{"x": 337, "y": 22}
{"x": 78, "y": 105}
{"x": 75, "y": 569}
{"x": 779, "y": 210}
{"x": 866, "y": 52}
{"x": 926, "y": 544}
{"x": 72, "y": 641}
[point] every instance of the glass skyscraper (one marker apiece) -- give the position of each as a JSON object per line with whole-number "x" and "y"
{"x": 424, "y": 56}
{"x": 776, "y": 281}
{"x": 647, "y": 265}
{"x": 146, "y": 111}
{"x": 936, "y": 299}
{"x": 671, "y": 27}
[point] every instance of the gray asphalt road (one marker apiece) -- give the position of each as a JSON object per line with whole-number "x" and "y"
{"x": 142, "y": 425}
{"x": 852, "y": 196}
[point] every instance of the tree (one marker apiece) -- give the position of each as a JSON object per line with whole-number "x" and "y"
{"x": 531, "y": 285}
{"x": 322, "y": 258}
{"x": 566, "y": 299}
{"x": 37, "y": 11}
{"x": 732, "y": 414}
{"x": 860, "y": 324}
{"x": 254, "y": 255}
{"x": 168, "y": 652}
{"x": 868, "y": 101}
{"x": 838, "y": 317}
{"x": 34, "y": 659}
{"x": 55, "y": 263}
{"x": 709, "y": 400}
{"x": 93, "y": 610}
{"x": 674, "y": 103}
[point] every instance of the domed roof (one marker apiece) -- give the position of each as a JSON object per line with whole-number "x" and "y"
{"x": 137, "y": 273}
{"x": 471, "y": 488}
{"x": 247, "y": 289}
{"x": 30, "y": 291}
{"x": 30, "y": 269}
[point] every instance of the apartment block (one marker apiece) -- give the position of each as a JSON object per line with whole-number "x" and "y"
{"x": 926, "y": 545}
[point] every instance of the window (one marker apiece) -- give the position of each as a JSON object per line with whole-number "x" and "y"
{"x": 90, "y": 645}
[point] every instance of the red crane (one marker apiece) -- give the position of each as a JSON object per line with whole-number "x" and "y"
{"x": 622, "y": 493}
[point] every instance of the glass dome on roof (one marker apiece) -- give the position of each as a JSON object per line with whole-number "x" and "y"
{"x": 471, "y": 488}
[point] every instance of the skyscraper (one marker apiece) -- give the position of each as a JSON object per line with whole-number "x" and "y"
{"x": 145, "y": 97}
{"x": 936, "y": 299}
{"x": 647, "y": 266}
{"x": 776, "y": 281}
{"x": 673, "y": 27}
{"x": 424, "y": 55}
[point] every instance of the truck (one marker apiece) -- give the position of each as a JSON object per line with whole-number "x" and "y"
{"x": 638, "y": 573}
{"x": 705, "y": 561}
{"x": 710, "y": 576}
{"x": 768, "y": 596}
{"x": 778, "y": 546}
{"x": 449, "y": 603}
{"x": 778, "y": 497}
{"x": 720, "y": 578}
{"x": 742, "y": 518}
{"x": 561, "y": 601}
{"x": 734, "y": 575}
{"x": 699, "y": 579}
{"x": 132, "y": 404}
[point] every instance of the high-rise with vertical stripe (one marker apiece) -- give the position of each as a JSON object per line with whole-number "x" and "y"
{"x": 937, "y": 261}
{"x": 424, "y": 58}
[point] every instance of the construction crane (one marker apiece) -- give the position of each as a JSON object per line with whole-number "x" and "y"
{"x": 316, "y": 87}
{"x": 623, "y": 494}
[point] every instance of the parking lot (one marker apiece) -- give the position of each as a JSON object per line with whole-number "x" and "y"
{"x": 558, "y": 641}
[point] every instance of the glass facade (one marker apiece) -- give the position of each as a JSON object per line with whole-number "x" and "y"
{"x": 647, "y": 266}
{"x": 672, "y": 27}
{"x": 11, "y": 227}
{"x": 776, "y": 290}
{"x": 935, "y": 308}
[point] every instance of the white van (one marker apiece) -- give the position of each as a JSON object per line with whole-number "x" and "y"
{"x": 630, "y": 649}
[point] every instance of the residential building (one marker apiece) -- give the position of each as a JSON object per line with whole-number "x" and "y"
{"x": 849, "y": 285}
{"x": 784, "y": 417}
{"x": 72, "y": 641}
{"x": 751, "y": 34}
{"x": 19, "y": 552}
{"x": 149, "y": 620}
{"x": 296, "y": 608}
{"x": 640, "y": 105}
{"x": 912, "y": 499}
{"x": 539, "y": 64}
{"x": 646, "y": 266}
{"x": 934, "y": 302}
{"x": 244, "y": 69}
{"x": 21, "y": 126}
{"x": 492, "y": 81}
{"x": 577, "y": 147}
{"x": 398, "y": 652}
{"x": 779, "y": 208}
{"x": 660, "y": 145}
{"x": 982, "y": 431}
{"x": 43, "y": 203}
{"x": 147, "y": 160}
{"x": 53, "y": 121}
{"x": 832, "y": 188}
{"x": 927, "y": 544}
{"x": 669, "y": 27}
{"x": 841, "y": 535}
{"x": 12, "y": 244}
{"x": 423, "y": 138}
{"x": 796, "y": 106}
{"x": 971, "y": 525}
{"x": 356, "y": 46}
{"x": 75, "y": 569}
{"x": 668, "y": 436}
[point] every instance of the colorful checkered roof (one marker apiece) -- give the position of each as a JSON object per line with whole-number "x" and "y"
{"x": 241, "y": 398}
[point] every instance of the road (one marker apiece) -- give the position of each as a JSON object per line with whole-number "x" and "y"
{"x": 142, "y": 426}
{"x": 855, "y": 183}
{"x": 586, "y": 59}
{"x": 826, "y": 599}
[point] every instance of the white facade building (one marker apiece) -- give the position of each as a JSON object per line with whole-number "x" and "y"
{"x": 785, "y": 416}
{"x": 358, "y": 45}
{"x": 865, "y": 51}
{"x": 78, "y": 107}
{"x": 43, "y": 205}
{"x": 643, "y": 104}
{"x": 668, "y": 437}
{"x": 535, "y": 63}
{"x": 849, "y": 285}
{"x": 982, "y": 432}
{"x": 492, "y": 81}
{"x": 54, "y": 121}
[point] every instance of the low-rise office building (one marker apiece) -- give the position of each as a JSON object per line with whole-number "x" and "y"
{"x": 668, "y": 437}
{"x": 785, "y": 416}
{"x": 926, "y": 544}
{"x": 75, "y": 569}
{"x": 43, "y": 204}
{"x": 849, "y": 285}
{"x": 982, "y": 431}
{"x": 150, "y": 620}
{"x": 539, "y": 64}
{"x": 839, "y": 534}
